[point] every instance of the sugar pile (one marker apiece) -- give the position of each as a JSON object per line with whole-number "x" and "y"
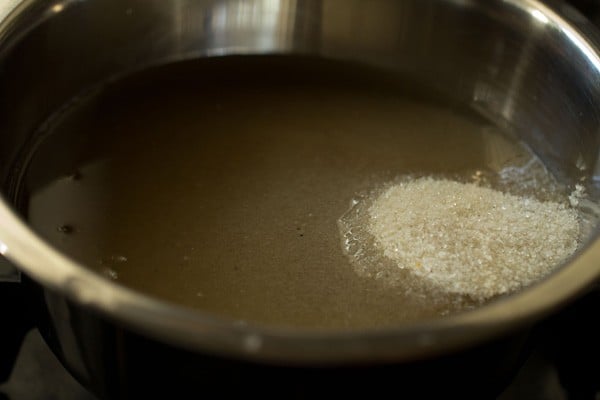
{"x": 471, "y": 240}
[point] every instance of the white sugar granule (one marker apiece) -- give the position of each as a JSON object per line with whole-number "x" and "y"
{"x": 471, "y": 240}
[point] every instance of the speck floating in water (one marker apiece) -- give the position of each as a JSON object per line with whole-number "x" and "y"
{"x": 111, "y": 273}
{"x": 66, "y": 229}
{"x": 113, "y": 260}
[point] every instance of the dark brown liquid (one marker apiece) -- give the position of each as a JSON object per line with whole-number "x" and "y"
{"x": 218, "y": 184}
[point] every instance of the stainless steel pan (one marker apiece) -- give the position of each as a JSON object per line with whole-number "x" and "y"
{"x": 528, "y": 65}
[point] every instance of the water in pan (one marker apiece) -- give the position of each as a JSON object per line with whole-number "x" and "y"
{"x": 218, "y": 184}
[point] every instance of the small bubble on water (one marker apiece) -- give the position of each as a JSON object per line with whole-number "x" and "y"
{"x": 66, "y": 229}
{"x": 111, "y": 273}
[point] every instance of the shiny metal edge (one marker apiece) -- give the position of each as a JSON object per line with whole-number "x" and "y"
{"x": 8, "y": 273}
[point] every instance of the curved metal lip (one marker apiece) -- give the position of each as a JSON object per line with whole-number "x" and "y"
{"x": 202, "y": 332}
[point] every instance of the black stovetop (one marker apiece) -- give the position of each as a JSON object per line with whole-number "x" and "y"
{"x": 38, "y": 375}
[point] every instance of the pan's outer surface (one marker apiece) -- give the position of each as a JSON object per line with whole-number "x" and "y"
{"x": 522, "y": 64}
